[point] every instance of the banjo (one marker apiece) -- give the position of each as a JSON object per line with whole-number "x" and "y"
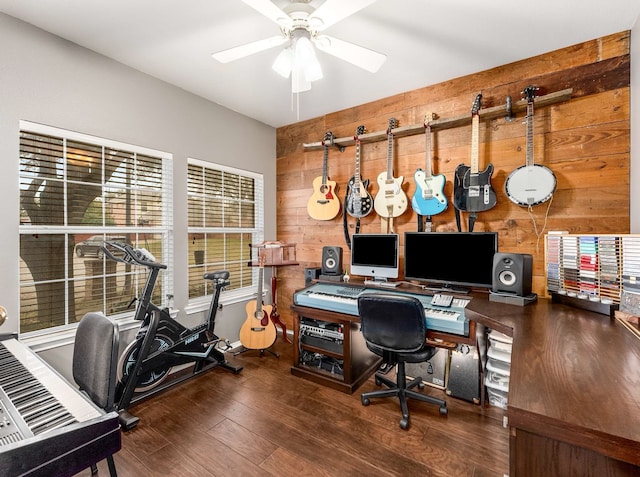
{"x": 531, "y": 184}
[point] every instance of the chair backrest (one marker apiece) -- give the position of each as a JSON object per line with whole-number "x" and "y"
{"x": 392, "y": 322}
{"x": 95, "y": 358}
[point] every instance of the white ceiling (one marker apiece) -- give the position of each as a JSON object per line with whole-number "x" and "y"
{"x": 426, "y": 42}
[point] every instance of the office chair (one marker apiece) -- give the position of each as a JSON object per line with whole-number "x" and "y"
{"x": 394, "y": 327}
{"x": 95, "y": 362}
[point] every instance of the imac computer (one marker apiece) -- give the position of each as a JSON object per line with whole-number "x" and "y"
{"x": 455, "y": 261}
{"x": 375, "y": 256}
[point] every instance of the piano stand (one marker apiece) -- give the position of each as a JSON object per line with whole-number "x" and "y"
{"x": 268, "y": 350}
{"x": 127, "y": 420}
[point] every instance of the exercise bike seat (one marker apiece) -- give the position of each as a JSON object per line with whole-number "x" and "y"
{"x": 221, "y": 275}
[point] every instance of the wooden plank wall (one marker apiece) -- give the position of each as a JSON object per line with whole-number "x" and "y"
{"x": 585, "y": 141}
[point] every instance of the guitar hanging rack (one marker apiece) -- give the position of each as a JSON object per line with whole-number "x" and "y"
{"x": 505, "y": 110}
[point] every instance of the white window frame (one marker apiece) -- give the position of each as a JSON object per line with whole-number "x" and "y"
{"x": 56, "y": 336}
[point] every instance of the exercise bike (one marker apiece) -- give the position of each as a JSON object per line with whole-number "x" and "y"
{"x": 162, "y": 342}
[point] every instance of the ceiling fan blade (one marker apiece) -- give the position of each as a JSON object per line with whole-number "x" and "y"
{"x": 332, "y": 11}
{"x": 362, "y": 57}
{"x": 271, "y": 11}
{"x": 225, "y": 56}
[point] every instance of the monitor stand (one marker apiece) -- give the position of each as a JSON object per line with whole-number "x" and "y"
{"x": 381, "y": 282}
{"x": 448, "y": 288}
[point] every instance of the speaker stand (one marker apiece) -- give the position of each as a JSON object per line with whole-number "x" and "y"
{"x": 513, "y": 299}
{"x": 331, "y": 278}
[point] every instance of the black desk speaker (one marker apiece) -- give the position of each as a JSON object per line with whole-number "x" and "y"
{"x": 512, "y": 273}
{"x": 331, "y": 260}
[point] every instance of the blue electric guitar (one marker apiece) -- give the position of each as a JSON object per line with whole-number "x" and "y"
{"x": 429, "y": 197}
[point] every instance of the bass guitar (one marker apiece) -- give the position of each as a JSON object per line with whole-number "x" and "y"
{"x": 391, "y": 200}
{"x": 531, "y": 184}
{"x": 429, "y": 197}
{"x": 258, "y": 332}
{"x": 472, "y": 190}
{"x": 359, "y": 202}
{"x": 324, "y": 204}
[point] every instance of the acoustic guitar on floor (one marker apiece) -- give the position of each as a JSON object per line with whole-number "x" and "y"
{"x": 258, "y": 332}
{"x": 324, "y": 204}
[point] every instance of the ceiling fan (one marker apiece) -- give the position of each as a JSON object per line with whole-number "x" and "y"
{"x": 300, "y": 26}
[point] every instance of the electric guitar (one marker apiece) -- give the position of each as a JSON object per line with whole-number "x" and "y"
{"x": 359, "y": 202}
{"x": 472, "y": 189}
{"x": 391, "y": 200}
{"x": 429, "y": 197}
{"x": 531, "y": 184}
{"x": 258, "y": 332}
{"x": 323, "y": 203}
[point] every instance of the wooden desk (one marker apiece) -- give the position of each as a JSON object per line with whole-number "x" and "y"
{"x": 574, "y": 394}
{"x": 358, "y": 363}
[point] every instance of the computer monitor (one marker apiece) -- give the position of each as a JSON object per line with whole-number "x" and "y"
{"x": 375, "y": 256}
{"x": 450, "y": 260}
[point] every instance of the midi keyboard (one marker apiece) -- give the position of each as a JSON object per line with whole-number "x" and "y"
{"x": 343, "y": 298}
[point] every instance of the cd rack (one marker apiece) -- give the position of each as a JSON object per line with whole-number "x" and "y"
{"x": 596, "y": 268}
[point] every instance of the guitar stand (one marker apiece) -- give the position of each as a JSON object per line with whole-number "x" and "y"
{"x": 268, "y": 350}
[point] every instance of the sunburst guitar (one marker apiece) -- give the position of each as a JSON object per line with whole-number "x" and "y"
{"x": 258, "y": 332}
{"x": 531, "y": 184}
{"x": 324, "y": 204}
{"x": 391, "y": 200}
{"x": 359, "y": 202}
{"x": 429, "y": 198}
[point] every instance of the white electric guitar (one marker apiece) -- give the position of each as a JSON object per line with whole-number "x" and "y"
{"x": 391, "y": 200}
{"x": 531, "y": 184}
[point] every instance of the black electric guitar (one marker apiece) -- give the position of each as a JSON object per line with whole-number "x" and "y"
{"x": 324, "y": 204}
{"x": 472, "y": 190}
{"x": 359, "y": 202}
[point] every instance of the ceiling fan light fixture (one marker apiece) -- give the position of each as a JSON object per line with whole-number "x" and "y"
{"x": 284, "y": 62}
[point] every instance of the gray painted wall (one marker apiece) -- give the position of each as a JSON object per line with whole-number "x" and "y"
{"x": 48, "y": 80}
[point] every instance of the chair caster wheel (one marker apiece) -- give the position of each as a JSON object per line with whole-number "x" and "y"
{"x": 421, "y": 386}
{"x": 365, "y": 401}
{"x": 444, "y": 411}
{"x": 404, "y": 423}
{"x": 378, "y": 381}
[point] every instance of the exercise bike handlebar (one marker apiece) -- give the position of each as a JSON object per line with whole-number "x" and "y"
{"x": 131, "y": 255}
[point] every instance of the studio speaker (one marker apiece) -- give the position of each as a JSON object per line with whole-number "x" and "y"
{"x": 512, "y": 273}
{"x": 331, "y": 260}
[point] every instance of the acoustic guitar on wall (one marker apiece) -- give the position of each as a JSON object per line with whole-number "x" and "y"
{"x": 258, "y": 332}
{"x": 324, "y": 204}
{"x": 391, "y": 200}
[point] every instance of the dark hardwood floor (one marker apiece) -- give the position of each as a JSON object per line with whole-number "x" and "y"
{"x": 264, "y": 421}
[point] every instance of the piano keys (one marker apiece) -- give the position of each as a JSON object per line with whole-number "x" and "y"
{"x": 47, "y": 426}
{"x": 343, "y": 298}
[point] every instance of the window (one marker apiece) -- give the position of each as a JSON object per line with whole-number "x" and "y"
{"x": 75, "y": 192}
{"x": 225, "y": 216}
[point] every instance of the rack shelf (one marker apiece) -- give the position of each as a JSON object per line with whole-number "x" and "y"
{"x": 447, "y": 123}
